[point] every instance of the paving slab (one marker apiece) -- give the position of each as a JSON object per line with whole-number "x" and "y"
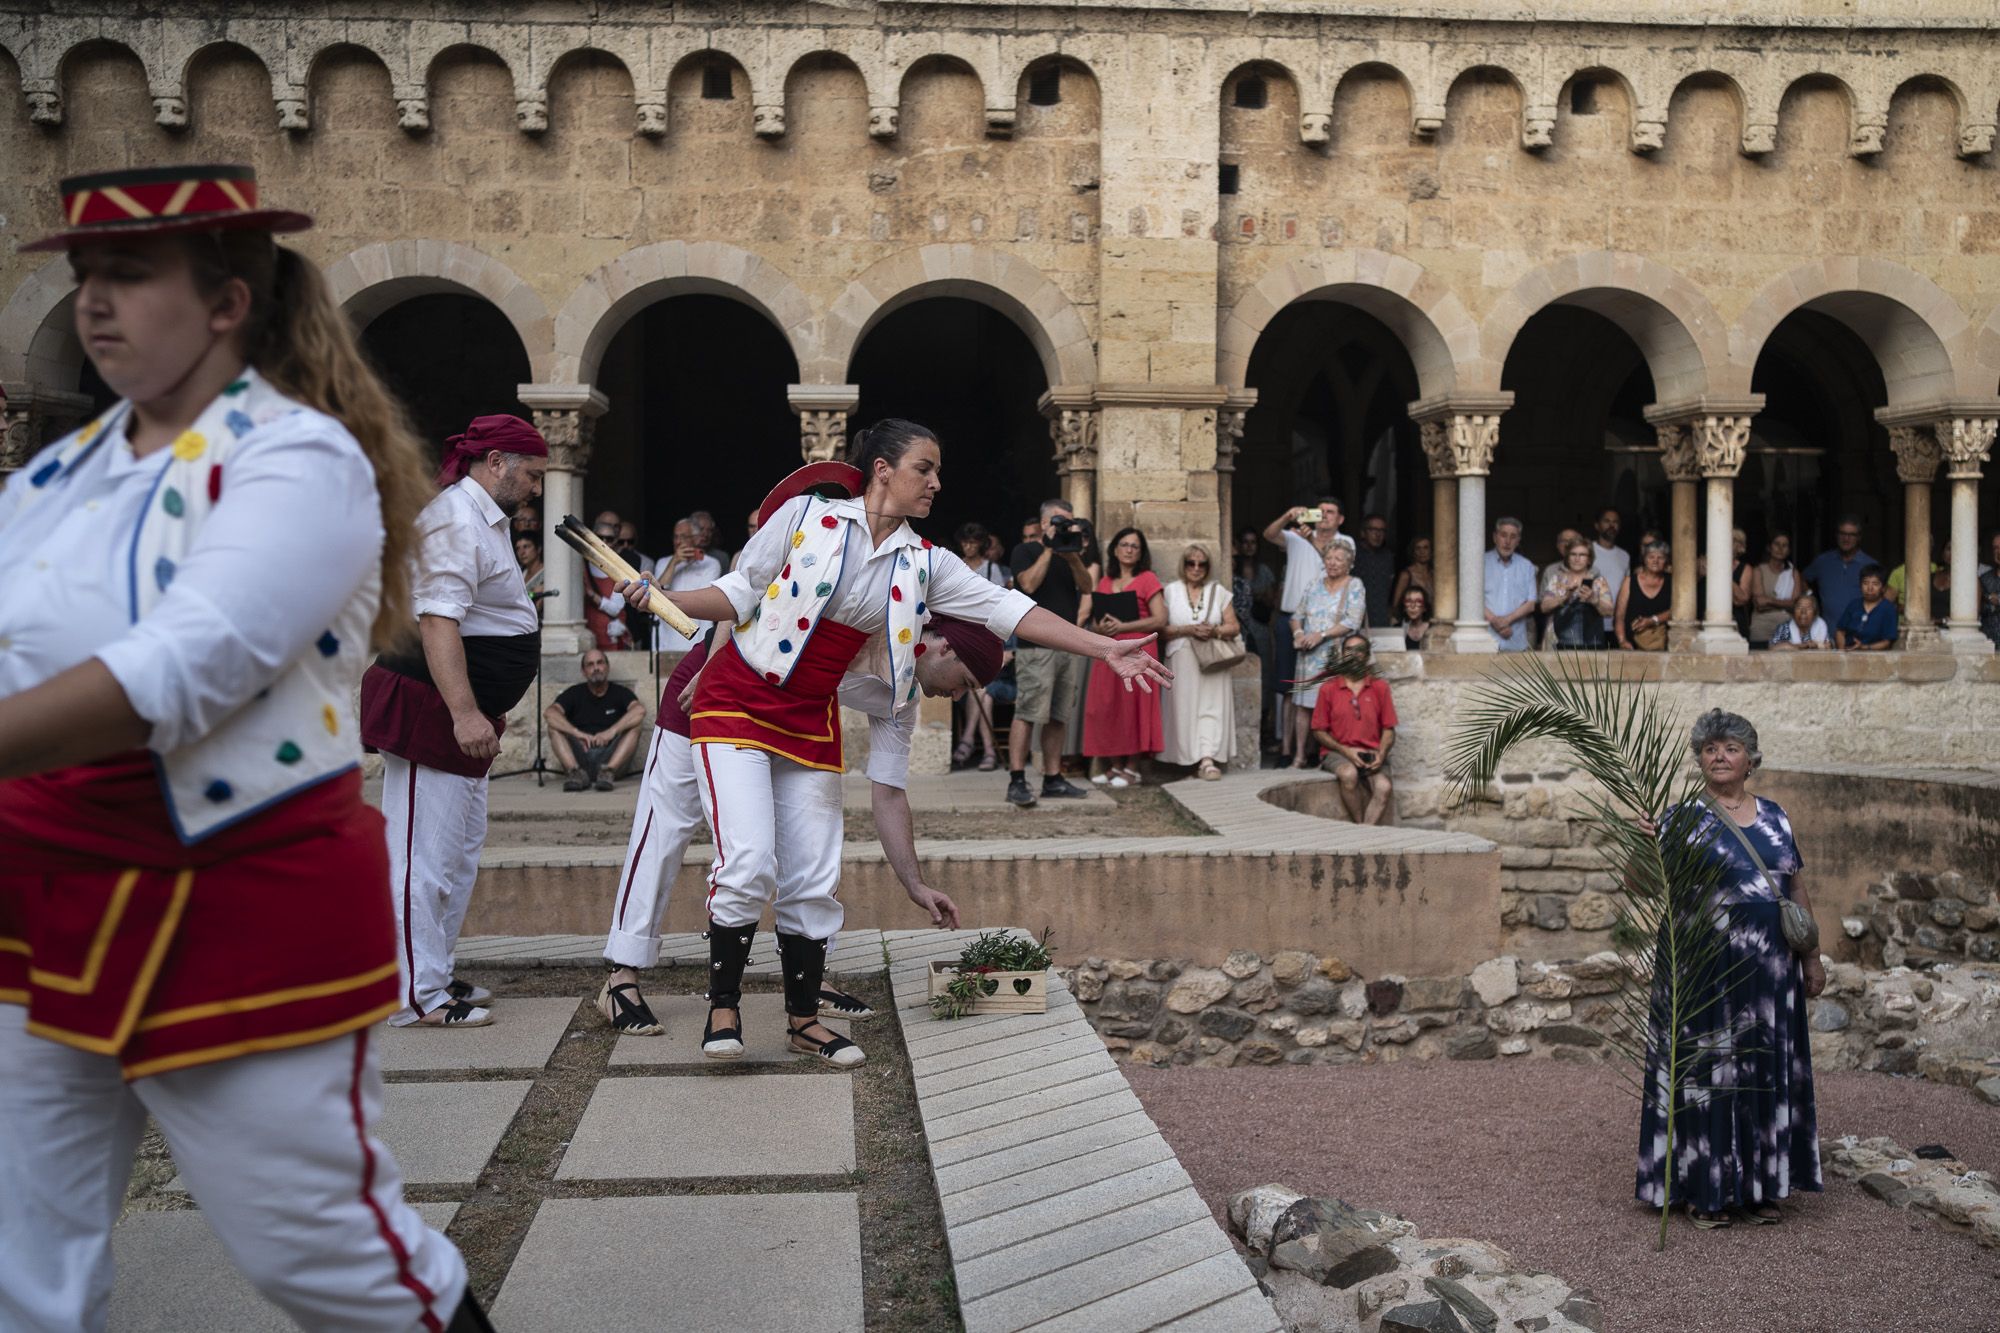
{"x": 523, "y": 1035}
{"x": 693, "y": 1264}
{"x": 764, "y": 1039}
{"x": 174, "y": 1277}
{"x": 442, "y": 1133}
{"x": 720, "y": 1125}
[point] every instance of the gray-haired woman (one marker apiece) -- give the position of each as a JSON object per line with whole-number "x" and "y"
{"x": 1745, "y": 1137}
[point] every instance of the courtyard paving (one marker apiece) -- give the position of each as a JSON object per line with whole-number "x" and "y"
{"x": 688, "y": 1196}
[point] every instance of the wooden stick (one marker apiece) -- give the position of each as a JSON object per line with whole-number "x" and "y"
{"x": 592, "y": 548}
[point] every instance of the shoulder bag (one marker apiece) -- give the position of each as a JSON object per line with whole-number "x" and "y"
{"x": 1800, "y": 930}
{"x": 1215, "y": 654}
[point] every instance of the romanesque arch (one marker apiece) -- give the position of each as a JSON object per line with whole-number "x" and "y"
{"x": 1425, "y": 314}
{"x": 378, "y": 276}
{"x": 1679, "y": 332}
{"x": 1014, "y": 287}
{"x": 37, "y": 339}
{"x": 1918, "y": 335}
{"x": 605, "y": 300}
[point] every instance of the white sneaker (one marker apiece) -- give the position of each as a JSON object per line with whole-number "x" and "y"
{"x": 456, "y": 1014}
{"x": 1100, "y": 779}
{"x": 1118, "y": 783}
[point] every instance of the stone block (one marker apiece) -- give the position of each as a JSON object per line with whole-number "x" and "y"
{"x": 1227, "y": 1024}
{"x": 1198, "y": 988}
{"x": 1384, "y": 995}
{"x": 1292, "y": 966}
{"x": 626, "y": 1260}
{"x": 1593, "y": 910}
{"x": 1423, "y": 1317}
{"x": 523, "y": 1035}
{"x": 1471, "y": 1044}
{"x": 1315, "y": 997}
{"x": 1430, "y": 993}
{"x": 1496, "y": 981}
{"x": 1242, "y": 963}
{"x": 744, "y": 1125}
{"x": 1547, "y": 911}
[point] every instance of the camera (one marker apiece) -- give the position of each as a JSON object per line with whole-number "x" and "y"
{"x": 1068, "y": 535}
{"x": 1309, "y": 517}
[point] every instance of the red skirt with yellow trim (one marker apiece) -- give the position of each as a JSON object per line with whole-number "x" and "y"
{"x": 122, "y": 941}
{"x": 798, "y": 718}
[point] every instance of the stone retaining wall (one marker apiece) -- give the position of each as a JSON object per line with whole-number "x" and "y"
{"x": 1297, "y": 1007}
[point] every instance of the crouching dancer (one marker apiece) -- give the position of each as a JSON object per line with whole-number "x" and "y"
{"x": 955, "y": 656}
{"x": 194, "y": 899}
{"x": 816, "y": 582}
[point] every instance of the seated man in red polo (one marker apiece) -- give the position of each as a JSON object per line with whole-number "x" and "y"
{"x": 1355, "y": 723}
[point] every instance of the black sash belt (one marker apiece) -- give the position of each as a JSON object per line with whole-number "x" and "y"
{"x": 499, "y": 667}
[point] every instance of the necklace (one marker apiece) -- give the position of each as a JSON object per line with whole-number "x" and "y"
{"x": 1735, "y": 805}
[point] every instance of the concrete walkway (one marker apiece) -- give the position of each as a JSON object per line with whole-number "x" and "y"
{"x": 1063, "y": 1208}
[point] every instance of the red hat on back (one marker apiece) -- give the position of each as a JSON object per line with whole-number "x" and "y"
{"x": 975, "y": 645}
{"x": 153, "y": 201}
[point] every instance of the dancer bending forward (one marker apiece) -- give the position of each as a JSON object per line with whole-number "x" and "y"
{"x": 820, "y": 578}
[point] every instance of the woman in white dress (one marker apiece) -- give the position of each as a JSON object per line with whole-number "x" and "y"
{"x": 1198, "y": 716}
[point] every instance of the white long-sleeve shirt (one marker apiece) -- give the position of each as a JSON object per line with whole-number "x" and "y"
{"x": 861, "y": 596}
{"x": 300, "y": 537}
{"x": 466, "y": 570}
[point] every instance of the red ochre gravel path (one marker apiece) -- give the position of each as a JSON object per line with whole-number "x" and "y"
{"x": 1537, "y": 1157}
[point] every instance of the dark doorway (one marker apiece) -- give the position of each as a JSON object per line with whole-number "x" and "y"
{"x": 969, "y": 373}
{"x": 698, "y": 418}
{"x": 449, "y": 358}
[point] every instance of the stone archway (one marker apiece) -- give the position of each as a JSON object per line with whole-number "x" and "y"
{"x": 604, "y": 301}
{"x": 1683, "y": 339}
{"x": 377, "y": 277}
{"x": 1009, "y": 285}
{"x": 37, "y": 342}
{"x": 1424, "y": 313}
{"x": 1919, "y": 336}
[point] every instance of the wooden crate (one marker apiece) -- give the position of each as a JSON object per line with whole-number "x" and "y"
{"x": 1009, "y": 993}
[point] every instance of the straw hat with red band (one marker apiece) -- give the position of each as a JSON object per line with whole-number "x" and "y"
{"x": 154, "y": 201}
{"x": 839, "y": 481}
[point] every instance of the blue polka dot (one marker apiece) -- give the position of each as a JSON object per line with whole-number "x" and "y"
{"x": 902, "y": 562}
{"x": 45, "y": 472}
{"x": 163, "y": 572}
{"x": 795, "y": 590}
{"x": 239, "y": 423}
{"x": 328, "y": 644}
{"x": 219, "y": 791}
{"x": 920, "y": 608}
{"x": 784, "y": 645}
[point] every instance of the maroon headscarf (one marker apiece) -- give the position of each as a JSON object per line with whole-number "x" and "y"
{"x": 975, "y": 645}
{"x": 510, "y": 435}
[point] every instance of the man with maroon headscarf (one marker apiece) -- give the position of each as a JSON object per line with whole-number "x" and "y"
{"x": 436, "y": 716}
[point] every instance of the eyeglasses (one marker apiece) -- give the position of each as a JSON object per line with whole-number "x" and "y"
{"x": 1194, "y": 564}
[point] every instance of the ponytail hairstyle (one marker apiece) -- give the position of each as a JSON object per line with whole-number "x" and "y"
{"x": 888, "y": 439}
{"x": 300, "y": 340}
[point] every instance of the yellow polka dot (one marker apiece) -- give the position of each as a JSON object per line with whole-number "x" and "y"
{"x": 89, "y": 433}
{"x": 772, "y": 591}
{"x": 743, "y": 626}
{"x": 798, "y": 539}
{"x": 330, "y": 719}
{"x": 190, "y": 445}
{"x": 902, "y": 636}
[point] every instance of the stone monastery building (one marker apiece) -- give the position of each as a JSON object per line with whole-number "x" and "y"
{"x": 1185, "y": 261}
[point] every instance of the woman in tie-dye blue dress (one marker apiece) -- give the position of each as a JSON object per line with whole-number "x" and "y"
{"x": 1745, "y": 1135}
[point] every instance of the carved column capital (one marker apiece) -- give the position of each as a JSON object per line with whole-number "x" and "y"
{"x": 822, "y": 434}
{"x": 1471, "y": 438}
{"x": 1073, "y": 432}
{"x": 1916, "y": 452}
{"x": 569, "y": 431}
{"x": 1431, "y": 434}
{"x": 1966, "y": 443}
{"x": 1677, "y": 451}
{"x": 19, "y": 437}
{"x": 1720, "y": 442}
{"x": 1229, "y": 422}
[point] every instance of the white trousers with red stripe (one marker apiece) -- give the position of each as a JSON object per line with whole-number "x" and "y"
{"x": 777, "y": 828}
{"x": 437, "y": 824}
{"x": 665, "y": 821}
{"x": 276, "y": 1148}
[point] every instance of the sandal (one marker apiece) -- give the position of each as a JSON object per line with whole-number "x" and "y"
{"x": 455, "y": 1014}
{"x": 721, "y": 1043}
{"x": 1760, "y": 1218}
{"x": 839, "y": 1004}
{"x": 1709, "y": 1221}
{"x": 633, "y": 1016}
{"x": 988, "y": 762}
{"x": 838, "y": 1052}
{"x": 961, "y": 753}
{"x": 1207, "y": 771}
{"x": 471, "y": 994}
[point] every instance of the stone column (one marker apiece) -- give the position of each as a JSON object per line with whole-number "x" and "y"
{"x": 1229, "y": 420}
{"x": 1683, "y": 469}
{"x": 36, "y": 417}
{"x": 1719, "y": 444}
{"x": 1073, "y": 433}
{"x": 566, "y": 415}
{"x": 1444, "y": 523}
{"x": 1966, "y": 442}
{"x": 1471, "y": 437}
{"x": 822, "y": 410}
{"x": 1916, "y": 465}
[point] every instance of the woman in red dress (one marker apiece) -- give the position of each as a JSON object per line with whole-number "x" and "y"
{"x": 1120, "y": 725}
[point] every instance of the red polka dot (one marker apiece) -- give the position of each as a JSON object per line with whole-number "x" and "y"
{"x": 215, "y": 483}
{"x": 895, "y": 594}
{"x": 919, "y": 650}
{"x": 926, "y": 542}
{"x": 786, "y": 572}
{"x": 829, "y": 522}
{"x": 804, "y": 623}
{"x": 771, "y": 676}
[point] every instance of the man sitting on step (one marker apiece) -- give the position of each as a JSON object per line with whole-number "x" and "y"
{"x": 594, "y": 727}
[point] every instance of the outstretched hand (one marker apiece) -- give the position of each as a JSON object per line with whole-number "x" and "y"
{"x": 1133, "y": 664}
{"x": 944, "y": 912}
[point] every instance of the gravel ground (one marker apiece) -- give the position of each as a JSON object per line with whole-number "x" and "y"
{"x": 1538, "y": 1159}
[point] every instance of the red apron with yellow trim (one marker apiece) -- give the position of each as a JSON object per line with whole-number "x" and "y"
{"x": 122, "y": 941}
{"x": 798, "y": 718}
